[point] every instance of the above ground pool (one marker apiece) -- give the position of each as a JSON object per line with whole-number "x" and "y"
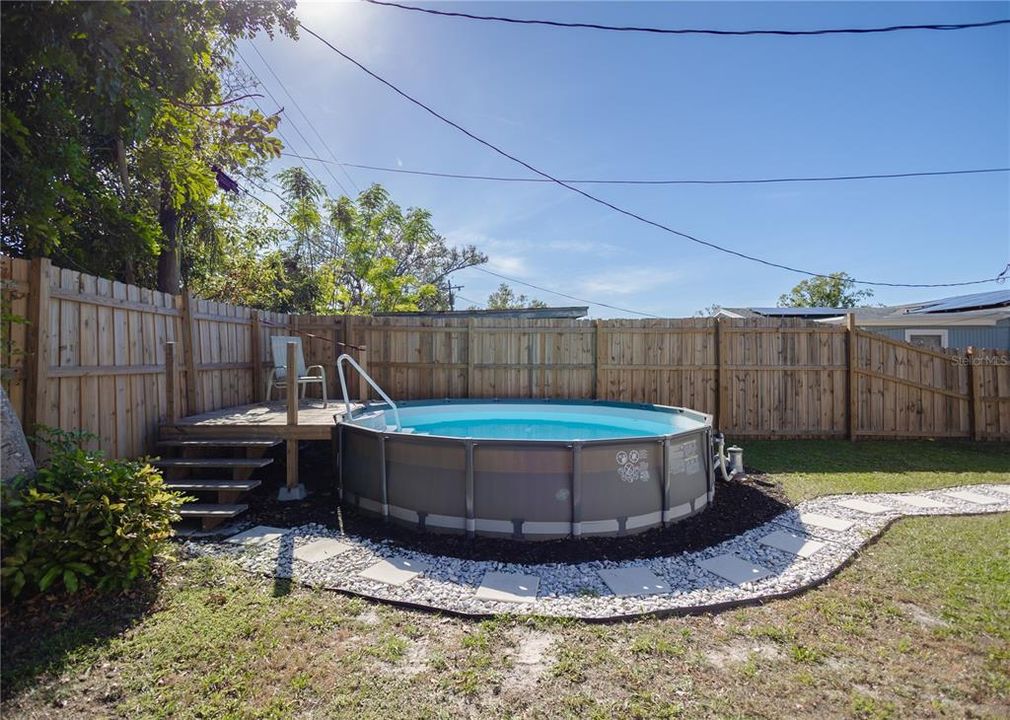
{"x": 526, "y": 469}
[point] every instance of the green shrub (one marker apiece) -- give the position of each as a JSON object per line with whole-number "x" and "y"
{"x": 83, "y": 519}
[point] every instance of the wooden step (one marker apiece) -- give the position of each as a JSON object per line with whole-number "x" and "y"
{"x": 213, "y": 485}
{"x": 238, "y": 442}
{"x": 212, "y": 462}
{"x": 212, "y": 514}
{"x": 212, "y": 510}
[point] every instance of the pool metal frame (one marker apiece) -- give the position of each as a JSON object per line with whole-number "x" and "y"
{"x": 584, "y": 517}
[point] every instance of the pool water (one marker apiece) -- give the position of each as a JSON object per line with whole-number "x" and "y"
{"x": 537, "y": 421}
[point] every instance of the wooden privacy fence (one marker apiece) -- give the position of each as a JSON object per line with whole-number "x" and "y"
{"x": 759, "y": 378}
{"x": 81, "y": 352}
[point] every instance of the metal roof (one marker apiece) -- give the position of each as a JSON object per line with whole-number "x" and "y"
{"x": 800, "y": 311}
{"x": 975, "y": 301}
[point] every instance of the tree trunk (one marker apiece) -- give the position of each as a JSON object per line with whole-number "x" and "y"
{"x": 15, "y": 457}
{"x": 168, "y": 261}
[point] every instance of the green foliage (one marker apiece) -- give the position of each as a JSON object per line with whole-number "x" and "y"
{"x": 367, "y": 255}
{"x": 113, "y": 114}
{"x": 83, "y": 519}
{"x": 836, "y": 290}
{"x": 505, "y": 298}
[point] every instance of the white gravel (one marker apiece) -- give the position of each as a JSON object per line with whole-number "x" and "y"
{"x": 576, "y": 590}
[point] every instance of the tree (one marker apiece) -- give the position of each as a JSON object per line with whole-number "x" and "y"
{"x": 836, "y": 290}
{"x": 114, "y": 115}
{"x": 368, "y": 255}
{"x": 505, "y": 298}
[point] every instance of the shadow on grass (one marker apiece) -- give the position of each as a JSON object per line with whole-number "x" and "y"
{"x": 42, "y": 635}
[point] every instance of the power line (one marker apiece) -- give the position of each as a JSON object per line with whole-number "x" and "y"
{"x": 472, "y": 302}
{"x": 561, "y": 294}
{"x": 605, "y": 181}
{"x": 306, "y": 117}
{"x": 689, "y": 31}
{"x": 293, "y": 125}
{"x": 612, "y": 206}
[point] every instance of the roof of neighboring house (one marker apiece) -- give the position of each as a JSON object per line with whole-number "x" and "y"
{"x": 986, "y": 308}
{"x": 783, "y": 312}
{"x": 545, "y": 313}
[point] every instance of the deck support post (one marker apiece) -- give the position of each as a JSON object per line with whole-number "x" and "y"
{"x": 292, "y": 490}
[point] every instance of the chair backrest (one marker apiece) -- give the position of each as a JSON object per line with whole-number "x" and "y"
{"x": 279, "y": 350}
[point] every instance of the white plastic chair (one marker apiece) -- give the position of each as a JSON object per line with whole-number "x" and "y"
{"x": 279, "y": 375}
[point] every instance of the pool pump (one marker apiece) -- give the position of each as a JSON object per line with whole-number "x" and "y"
{"x": 731, "y": 464}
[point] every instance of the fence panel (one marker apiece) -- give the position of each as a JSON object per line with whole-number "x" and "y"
{"x": 783, "y": 379}
{"x": 908, "y": 391}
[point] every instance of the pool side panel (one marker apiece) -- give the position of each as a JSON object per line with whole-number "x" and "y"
{"x": 428, "y": 478}
{"x": 523, "y": 491}
{"x": 360, "y": 463}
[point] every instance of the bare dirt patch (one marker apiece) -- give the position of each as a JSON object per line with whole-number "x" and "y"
{"x": 921, "y": 617}
{"x": 530, "y": 659}
{"x": 740, "y": 651}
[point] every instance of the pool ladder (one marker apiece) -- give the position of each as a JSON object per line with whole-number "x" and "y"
{"x": 375, "y": 386}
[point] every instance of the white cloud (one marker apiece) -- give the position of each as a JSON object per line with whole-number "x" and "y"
{"x": 626, "y": 280}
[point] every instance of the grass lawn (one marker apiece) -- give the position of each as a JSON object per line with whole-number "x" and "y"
{"x": 918, "y": 626}
{"x": 808, "y": 468}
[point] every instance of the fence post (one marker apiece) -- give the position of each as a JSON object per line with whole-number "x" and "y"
{"x": 36, "y": 366}
{"x": 852, "y": 343}
{"x": 597, "y": 360}
{"x": 470, "y": 352}
{"x": 256, "y": 351}
{"x": 170, "y": 412}
{"x": 363, "y": 389}
{"x": 974, "y": 406}
{"x": 189, "y": 353}
{"x": 721, "y": 384}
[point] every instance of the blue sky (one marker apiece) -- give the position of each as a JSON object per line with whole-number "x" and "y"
{"x": 581, "y": 103}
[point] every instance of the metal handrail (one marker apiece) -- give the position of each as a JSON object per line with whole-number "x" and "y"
{"x": 368, "y": 378}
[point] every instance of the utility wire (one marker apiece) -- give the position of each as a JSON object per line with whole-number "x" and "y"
{"x": 304, "y": 116}
{"x": 564, "y": 295}
{"x": 605, "y": 181}
{"x": 616, "y": 208}
{"x": 689, "y": 31}
{"x": 293, "y": 126}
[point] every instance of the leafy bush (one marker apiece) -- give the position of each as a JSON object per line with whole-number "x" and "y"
{"x": 83, "y": 519}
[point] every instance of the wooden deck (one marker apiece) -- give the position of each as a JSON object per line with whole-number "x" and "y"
{"x": 262, "y": 419}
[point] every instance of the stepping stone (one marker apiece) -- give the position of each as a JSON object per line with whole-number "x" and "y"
{"x": 972, "y": 497}
{"x": 1005, "y": 489}
{"x": 825, "y": 521}
{"x": 258, "y": 535}
{"x": 735, "y": 569}
{"x": 320, "y": 550}
{"x": 920, "y": 501}
{"x": 794, "y": 543}
{"x": 394, "y": 571}
{"x": 508, "y": 587}
{"x": 627, "y": 582}
{"x": 870, "y": 508}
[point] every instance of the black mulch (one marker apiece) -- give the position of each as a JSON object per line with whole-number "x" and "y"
{"x": 738, "y": 507}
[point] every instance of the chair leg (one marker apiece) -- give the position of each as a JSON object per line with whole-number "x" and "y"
{"x": 270, "y": 384}
{"x": 325, "y": 402}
